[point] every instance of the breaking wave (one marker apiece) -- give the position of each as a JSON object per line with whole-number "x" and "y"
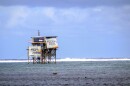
{"x": 69, "y": 59}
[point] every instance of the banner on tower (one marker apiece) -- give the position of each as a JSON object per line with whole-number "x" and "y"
{"x": 35, "y": 51}
{"x": 51, "y": 43}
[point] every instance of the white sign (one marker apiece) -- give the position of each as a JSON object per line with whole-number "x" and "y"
{"x": 51, "y": 43}
{"x": 35, "y": 51}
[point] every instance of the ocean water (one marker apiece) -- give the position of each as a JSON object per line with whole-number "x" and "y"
{"x": 87, "y": 73}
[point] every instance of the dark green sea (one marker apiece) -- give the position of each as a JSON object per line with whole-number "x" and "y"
{"x": 87, "y": 73}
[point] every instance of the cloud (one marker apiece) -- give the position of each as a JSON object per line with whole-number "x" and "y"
{"x": 17, "y": 16}
{"x": 102, "y": 19}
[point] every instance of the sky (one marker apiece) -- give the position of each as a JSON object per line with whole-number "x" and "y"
{"x": 85, "y": 28}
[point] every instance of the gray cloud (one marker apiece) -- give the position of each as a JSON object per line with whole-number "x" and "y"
{"x": 64, "y": 3}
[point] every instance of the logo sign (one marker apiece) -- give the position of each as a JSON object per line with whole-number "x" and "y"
{"x": 35, "y": 51}
{"x": 51, "y": 43}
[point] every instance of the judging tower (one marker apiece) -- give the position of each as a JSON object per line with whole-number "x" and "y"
{"x": 43, "y": 49}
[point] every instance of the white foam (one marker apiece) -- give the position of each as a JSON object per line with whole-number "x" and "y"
{"x": 67, "y": 60}
{"x": 73, "y": 59}
{"x": 12, "y": 61}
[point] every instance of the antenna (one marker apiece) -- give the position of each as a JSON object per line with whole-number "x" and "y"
{"x": 38, "y": 33}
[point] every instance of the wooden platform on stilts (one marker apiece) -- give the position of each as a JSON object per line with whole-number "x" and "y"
{"x": 43, "y": 49}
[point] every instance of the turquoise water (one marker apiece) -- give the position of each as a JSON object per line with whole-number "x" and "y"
{"x": 114, "y": 72}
